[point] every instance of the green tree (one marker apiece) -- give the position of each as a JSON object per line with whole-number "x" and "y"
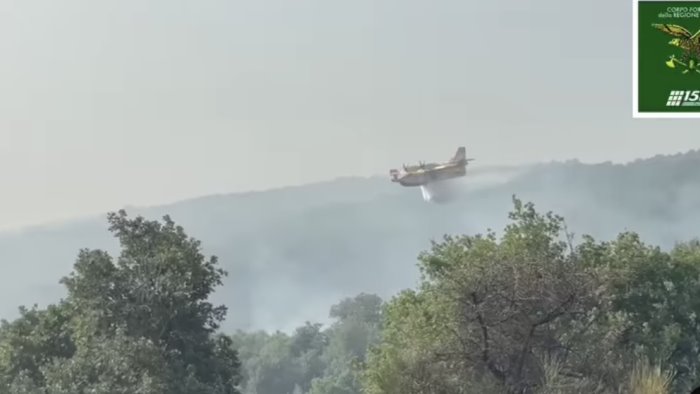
{"x": 490, "y": 311}
{"x": 658, "y": 293}
{"x": 308, "y": 345}
{"x": 313, "y": 360}
{"x": 356, "y": 328}
{"x": 140, "y": 325}
{"x": 31, "y": 341}
{"x": 273, "y": 368}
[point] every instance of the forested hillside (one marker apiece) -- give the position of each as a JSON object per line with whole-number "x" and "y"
{"x": 293, "y": 252}
{"x": 530, "y": 310}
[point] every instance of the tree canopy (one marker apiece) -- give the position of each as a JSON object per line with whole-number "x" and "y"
{"x": 137, "y": 324}
{"x": 532, "y": 312}
{"x": 532, "y": 309}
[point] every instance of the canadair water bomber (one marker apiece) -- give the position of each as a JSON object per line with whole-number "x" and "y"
{"x": 430, "y": 177}
{"x": 424, "y": 173}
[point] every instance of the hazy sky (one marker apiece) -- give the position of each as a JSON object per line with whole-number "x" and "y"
{"x": 107, "y": 103}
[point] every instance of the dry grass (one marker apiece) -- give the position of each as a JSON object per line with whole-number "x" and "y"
{"x": 555, "y": 382}
{"x": 648, "y": 379}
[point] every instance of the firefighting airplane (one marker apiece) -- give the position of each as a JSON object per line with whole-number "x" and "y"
{"x": 426, "y": 173}
{"x": 433, "y": 178}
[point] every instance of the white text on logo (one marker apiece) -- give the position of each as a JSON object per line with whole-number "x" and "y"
{"x": 683, "y": 98}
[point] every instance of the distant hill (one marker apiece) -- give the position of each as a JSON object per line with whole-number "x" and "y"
{"x": 292, "y": 252}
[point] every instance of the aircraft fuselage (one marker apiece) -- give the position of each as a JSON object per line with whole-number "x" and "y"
{"x": 423, "y": 177}
{"x": 424, "y": 174}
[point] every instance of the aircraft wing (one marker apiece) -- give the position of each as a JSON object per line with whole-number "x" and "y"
{"x": 443, "y": 166}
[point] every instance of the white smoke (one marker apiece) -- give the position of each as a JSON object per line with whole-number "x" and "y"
{"x": 439, "y": 192}
{"x": 448, "y": 190}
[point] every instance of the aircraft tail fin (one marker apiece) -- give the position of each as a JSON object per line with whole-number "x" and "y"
{"x": 460, "y": 156}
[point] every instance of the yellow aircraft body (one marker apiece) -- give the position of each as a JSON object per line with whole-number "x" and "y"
{"x": 425, "y": 173}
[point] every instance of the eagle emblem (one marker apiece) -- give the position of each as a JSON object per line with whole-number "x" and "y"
{"x": 688, "y": 43}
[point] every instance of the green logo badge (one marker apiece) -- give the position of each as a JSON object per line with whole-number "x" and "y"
{"x": 666, "y": 61}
